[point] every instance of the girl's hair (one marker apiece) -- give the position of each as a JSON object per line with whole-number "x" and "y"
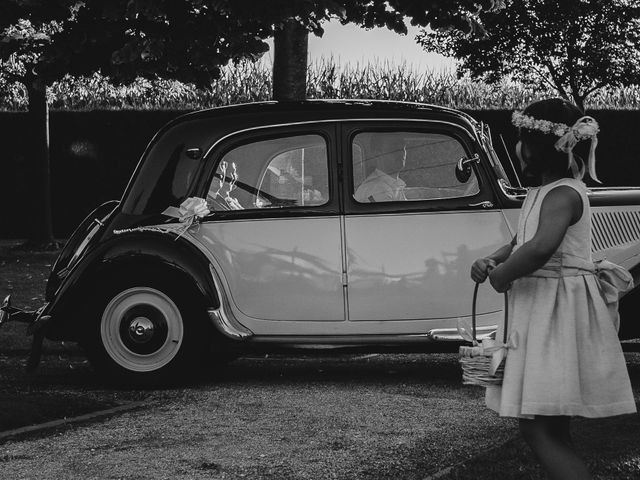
{"x": 544, "y": 156}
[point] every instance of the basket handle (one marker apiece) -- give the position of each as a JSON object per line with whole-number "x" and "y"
{"x": 473, "y": 313}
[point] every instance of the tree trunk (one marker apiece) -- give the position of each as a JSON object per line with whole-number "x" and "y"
{"x": 579, "y": 101}
{"x": 41, "y": 233}
{"x": 290, "y": 45}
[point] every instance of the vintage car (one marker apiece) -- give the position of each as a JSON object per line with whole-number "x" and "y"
{"x": 274, "y": 224}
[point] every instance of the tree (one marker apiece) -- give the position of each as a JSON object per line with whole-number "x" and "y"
{"x": 575, "y": 47}
{"x": 187, "y": 40}
{"x": 42, "y": 40}
{"x": 290, "y": 23}
{"x": 27, "y": 27}
{"x": 190, "y": 39}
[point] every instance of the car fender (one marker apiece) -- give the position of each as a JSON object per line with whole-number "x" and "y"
{"x": 120, "y": 255}
{"x": 628, "y": 308}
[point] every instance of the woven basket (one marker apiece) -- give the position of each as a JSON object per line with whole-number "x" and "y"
{"x": 475, "y": 362}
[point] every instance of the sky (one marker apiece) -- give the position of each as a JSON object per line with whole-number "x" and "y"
{"x": 352, "y": 44}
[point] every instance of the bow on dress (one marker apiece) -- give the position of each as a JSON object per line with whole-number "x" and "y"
{"x": 613, "y": 280}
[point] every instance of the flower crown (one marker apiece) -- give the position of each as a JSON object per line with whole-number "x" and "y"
{"x": 585, "y": 128}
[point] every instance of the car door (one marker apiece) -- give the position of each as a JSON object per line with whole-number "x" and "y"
{"x": 413, "y": 229}
{"x": 274, "y": 230}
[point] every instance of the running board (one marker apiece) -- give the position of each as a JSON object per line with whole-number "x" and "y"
{"x": 232, "y": 329}
{"x": 433, "y": 336}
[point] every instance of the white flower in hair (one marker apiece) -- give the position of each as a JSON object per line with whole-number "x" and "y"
{"x": 559, "y": 131}
{"x": 520, "y": 120}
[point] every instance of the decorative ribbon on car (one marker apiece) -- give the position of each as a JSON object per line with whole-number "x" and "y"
{"x": 189, "y": 212}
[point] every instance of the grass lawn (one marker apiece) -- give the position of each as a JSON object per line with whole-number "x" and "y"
{"x": 45, "y": 395}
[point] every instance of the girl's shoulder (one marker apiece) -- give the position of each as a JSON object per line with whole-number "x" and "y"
{"x": 573, "y": 183}
{"x": 543, "y": 190}
{"x": 568, "y": 194}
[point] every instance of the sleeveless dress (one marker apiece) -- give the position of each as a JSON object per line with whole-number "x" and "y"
{"x": 565, "y": 357}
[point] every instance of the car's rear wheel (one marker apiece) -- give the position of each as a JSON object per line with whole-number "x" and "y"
{"x": 628, "y": 309}
{"x": 146, "y": 331}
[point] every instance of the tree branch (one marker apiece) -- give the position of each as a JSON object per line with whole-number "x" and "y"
{"x": 598, "y": 86}
{"x": 557, "y": 84}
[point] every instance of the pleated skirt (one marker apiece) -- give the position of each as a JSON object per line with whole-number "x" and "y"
{"x": 568, "y": 359}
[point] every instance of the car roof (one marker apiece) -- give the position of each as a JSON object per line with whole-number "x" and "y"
{"x": 204, "y": 128}
{"x": 338, "y": 109}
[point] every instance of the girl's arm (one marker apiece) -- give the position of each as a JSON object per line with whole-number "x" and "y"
{"x": 561, "y": 208}
{"x": 501, "y": 255}
{"x": 481, "y": 267}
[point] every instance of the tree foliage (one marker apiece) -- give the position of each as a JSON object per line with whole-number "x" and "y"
{"x": 26, "y": 31}
{"x": 186, "y": 40}
{"x": 574, "y": 46}
{"x": 189, "y": 40}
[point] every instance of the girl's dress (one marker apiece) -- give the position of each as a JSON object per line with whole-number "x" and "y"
{"x": 567, "y": 359}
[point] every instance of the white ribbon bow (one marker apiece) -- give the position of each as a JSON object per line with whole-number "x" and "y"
{"x": 585, "y": 128}
{"x": 192, "y": 209}
{"x": 613, "y": 280}
{"x": 189, "y": 212}
{"x": 497, "y": 349}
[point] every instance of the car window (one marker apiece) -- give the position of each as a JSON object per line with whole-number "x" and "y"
{"x": 406, "y": 166}
{"x": 281, "y": 172}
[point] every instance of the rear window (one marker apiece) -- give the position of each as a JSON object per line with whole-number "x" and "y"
{"x": 166, "y": 176}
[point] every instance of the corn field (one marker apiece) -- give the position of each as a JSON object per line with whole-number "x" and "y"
{"x": 250, "y": 82}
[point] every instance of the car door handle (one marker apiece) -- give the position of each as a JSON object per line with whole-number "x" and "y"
{"x": 485, "y": 204}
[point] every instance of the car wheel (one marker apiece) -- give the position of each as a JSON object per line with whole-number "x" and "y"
{"x": 145, "y": 332}
{"x": 628, "y": 309}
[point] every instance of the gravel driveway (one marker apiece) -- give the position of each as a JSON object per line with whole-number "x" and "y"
{"x": 351, "y": 416}
{"x": 336, "y": 417}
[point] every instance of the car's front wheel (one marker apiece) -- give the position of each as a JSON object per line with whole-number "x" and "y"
{"x": 145, "y": 331}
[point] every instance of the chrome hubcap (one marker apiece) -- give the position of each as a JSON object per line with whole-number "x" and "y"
{"x": 141, "y": 329}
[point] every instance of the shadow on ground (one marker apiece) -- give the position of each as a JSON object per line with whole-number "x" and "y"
{"x": 611, "y": 447}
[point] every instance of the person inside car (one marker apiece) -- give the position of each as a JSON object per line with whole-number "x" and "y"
{"x": 388, "y": 156}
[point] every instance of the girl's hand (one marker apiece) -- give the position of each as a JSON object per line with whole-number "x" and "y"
{"x": 495, "y": 278}
{"x": 481, "y": 269}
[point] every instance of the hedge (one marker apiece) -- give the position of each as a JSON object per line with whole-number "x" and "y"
{"x": 93, "y": 154}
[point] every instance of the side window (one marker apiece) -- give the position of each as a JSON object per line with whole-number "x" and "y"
{"x": 406, "y": 166}
{"x": 281, "y": 172}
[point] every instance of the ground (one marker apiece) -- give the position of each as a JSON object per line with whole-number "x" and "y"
{"x": 305, "y": 416}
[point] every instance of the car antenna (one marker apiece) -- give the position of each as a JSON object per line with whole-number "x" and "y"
{"x": 504, "y": 145}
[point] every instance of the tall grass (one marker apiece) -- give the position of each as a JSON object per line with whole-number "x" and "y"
{"x": 250, "y": 82}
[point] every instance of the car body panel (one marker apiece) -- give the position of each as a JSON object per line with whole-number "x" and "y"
{"x": 416, "y": 266}
{"x": 122, "y": 255}
{"x": 615, "y": 232}
{"x": 276, "y": 269}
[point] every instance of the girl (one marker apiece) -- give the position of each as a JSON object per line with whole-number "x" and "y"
{"x": 564, "y": 357}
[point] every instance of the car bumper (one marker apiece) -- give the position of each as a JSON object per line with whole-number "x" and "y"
{"x": 36, "y": 321}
